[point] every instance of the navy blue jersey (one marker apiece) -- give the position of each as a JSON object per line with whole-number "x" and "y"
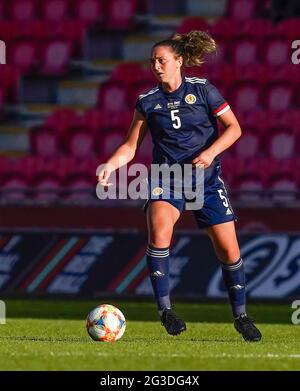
{"x": 183, "y": 122}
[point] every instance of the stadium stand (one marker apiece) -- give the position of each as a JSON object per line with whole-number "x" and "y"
{"x": 47, "y": 39}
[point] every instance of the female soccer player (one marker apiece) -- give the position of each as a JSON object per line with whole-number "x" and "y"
{"x": 181, "y": 114}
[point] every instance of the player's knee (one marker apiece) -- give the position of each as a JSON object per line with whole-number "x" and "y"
{"x": 229, "y": 256}
{"x": 160, "y": 238}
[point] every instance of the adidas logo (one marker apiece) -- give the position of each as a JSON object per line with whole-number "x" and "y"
{"x": 157, "y": 274}
{"x": 158, "y": 106}
{"x": 237, "y": 287}
{"x": 228, "y": 212}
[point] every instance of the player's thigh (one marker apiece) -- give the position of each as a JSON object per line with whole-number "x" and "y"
{"x": 224, "y": 239}
{"x": 161, "y": 217}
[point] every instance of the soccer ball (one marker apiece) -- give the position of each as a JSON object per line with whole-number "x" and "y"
{"x": 105, "y": 323}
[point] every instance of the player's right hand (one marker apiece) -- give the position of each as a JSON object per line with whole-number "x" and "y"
{"x": 104, "y": 175}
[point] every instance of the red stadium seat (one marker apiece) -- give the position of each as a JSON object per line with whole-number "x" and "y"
{"x": 79, "y": 143}
{"x": 47, "y": 188}
{"x": 281, "y": 142}
{"x": 55, "y": 10}
{"x": 242, "y": 10}
{"x": 245, "y": 96}
{"x": 80, "y": 189}
{"x": 112, "y": 96}
{"x": 224, "y": 28}
{"x": 250, "y": 187}
{"x": 23, "y": 55}
{"x": 277, "y": 51}
{"x": 279, "y": 96}
{"x": 94, "y": 120}
{"x": 250, "y": 144}
{"x": 14, "y": 188}
{"x": 56, "y": 57}
{"x": 289, "y": 28}
{"x": 97, "y": 120}
{"x": 23, "y": 10}
{"x": 63, "y": 119}
{"x": 192, "y": 23}
{"x": 110, "y": 142}
{"x": 44, "y": 142}
{"x": 89, "y": 11}
{"x": 283, "y": 180}
{"x": 120, "y": 14}
{"x": 256, "y": 28}
{"x": 127, "y": 72}
{"x": 245, "y": 51}
{"x": 72, "y": 32}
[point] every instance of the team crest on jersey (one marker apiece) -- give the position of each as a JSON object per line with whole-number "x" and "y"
{"x": 157, "y": 191}
{"x": 190, "y": 99}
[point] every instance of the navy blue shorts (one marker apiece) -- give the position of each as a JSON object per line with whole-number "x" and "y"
{"x": 215, "y": 204}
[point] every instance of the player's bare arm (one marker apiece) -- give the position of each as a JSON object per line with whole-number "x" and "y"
{"x": 231, "y": 134}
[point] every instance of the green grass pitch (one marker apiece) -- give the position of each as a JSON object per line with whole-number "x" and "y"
{"x": 51, "y": 335}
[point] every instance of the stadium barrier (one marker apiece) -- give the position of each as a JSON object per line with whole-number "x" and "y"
{"x": 84, "y": 263}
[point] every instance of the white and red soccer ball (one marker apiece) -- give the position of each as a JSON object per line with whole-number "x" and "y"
{"x": 105, "y": 323}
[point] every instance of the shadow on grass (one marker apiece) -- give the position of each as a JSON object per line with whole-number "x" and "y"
{"x": 144, "y": 311}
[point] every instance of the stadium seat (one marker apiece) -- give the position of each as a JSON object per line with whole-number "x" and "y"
{"x": 79, "y": 143}
{"x": 284, "y": 189}
{"x": 277, "y": 51}
{"x": 279, "y": 96}
{"x": 120, "y": 14}
{"x": 94, "y": 120}
{"x": 56, "y": 57}
{"x": 112, "y": 96}
{"x": 192, "y": 23}
{"x": 63, "y": 119}
{"x": 245, "y": 96}
{"x": 250, "y": 188}
{"x": 256, "y": 28}
{"x": 89, "y": 12}
{"x": 14, "y": 188}
{"x": 288, "y": 28}
{"x": 72, "y": 32}
{"x": 242, "y": 10}
{"x": 47, "y": 188}
{"x": 109, "y": 142}
{"x": 23, "y": 55}
{"x": 281, "y": 142}
{"x": 244, "y": 51}
{"x": 224, "y": 28}
{"x": 23, "y": 10}
{"x": 250, "y": 144}
{"x": 80, "y": 189}
{"x": 127, "y": 72}
{"x": 55, "y": 10}
{"x": 44, "y": 141}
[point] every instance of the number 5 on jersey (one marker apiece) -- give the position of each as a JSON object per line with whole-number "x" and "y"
{"x": 175, "y": 119}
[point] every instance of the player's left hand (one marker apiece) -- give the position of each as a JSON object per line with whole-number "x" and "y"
{"x": 203, "y": 160}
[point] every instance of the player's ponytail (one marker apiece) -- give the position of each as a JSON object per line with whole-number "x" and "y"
{"x": 192, "y": 46}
